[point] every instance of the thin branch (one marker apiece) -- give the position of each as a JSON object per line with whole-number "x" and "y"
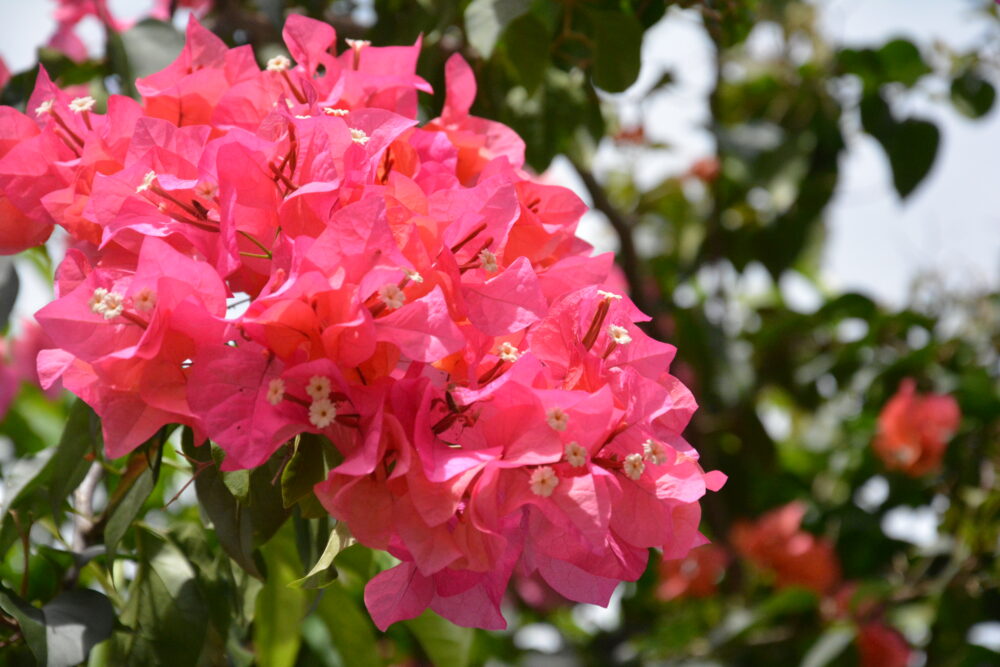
{"x": 628, "y": 257}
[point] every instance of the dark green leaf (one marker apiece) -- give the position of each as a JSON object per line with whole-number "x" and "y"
{"x": 618, "y": 44}
{"x": 305, "y": 468}
{"x": 446, "y": 644}
{"x": 134, "y": 487}
{"x": 485, "y": 20}
{"x": 9, "y": 286}
{"x": 901, "y": 61}
{"x": 323, "y": 573}
{"x": 70, "y": 463}
{"x": 76, "y": 621}
{"x": 229, "y": 518}
{"x": 972, "y": 95}
{"x": 526, "y": 42}
{"x": 911, "y": 145}
{"x": 32, "y": 622}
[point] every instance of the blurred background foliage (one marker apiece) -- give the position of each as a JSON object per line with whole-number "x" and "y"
{"x": 789, "y": 397}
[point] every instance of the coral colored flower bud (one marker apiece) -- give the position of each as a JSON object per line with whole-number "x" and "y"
{"x": 914, "y": 430}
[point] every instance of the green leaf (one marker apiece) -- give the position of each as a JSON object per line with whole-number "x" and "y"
{"x": 70, "y": 463}
{"x": 349, "y": 626}
{"x": 618, "y": 45}
{"x": 75, "y": 622}
{"x": 446, "y": 644}
{"x": 972, "y": 95}
{"x": 230, "y": 519}
{"x": 280, "y": 608}
{"x": 151, "y": 45}
{"x": 911, "y": 145}
{"x": 323, "y": 573}
{"x": 167, "y": 611}
{"x": 304, "y": 470}
{"x": 8, "y": 295}
{"x": 526, "y": 42}
{"x": 126, "y": 502}
{"x": 901, "y": 62}
{"x": 268, "y": 512}
{"x": 485, "y": 20}
{"x": 32, "y": 622}
{"x": 829, "y": 645}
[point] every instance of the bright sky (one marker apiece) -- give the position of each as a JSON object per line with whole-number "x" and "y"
{"x": 950, "y": 227}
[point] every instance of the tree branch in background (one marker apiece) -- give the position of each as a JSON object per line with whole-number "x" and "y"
{"x": 628, "y": 258}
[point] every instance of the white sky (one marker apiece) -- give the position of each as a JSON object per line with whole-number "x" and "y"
{"x": 877, "y": 244}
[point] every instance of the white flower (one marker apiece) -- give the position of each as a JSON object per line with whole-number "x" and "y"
{"x": 634, "y": 466}
{"x": 81, "y": 104}
{"x": 508, "y": 352}
{"x": 145, "y": 300}
{"x": 112, "y": 305}
{"x": 147, "y": 181}
{"x": 654, "y": 452}
{"x": 44, "y": 108}
{"x": 322, "y": 413}
{"x": 357, "y": 44}
{"x": 619, "y": 334}
{"x": 359, "y": 136}
{"x": 334, "y": 111}
{"x": 608, "y": 295}
{"x": 544, "y": 481}
{"x": 489, "y": 261}
{"x": 278, "y": 64}
{"x": 96, "y": 302}
{"x": 413, "y": 275}
{"x": 391, "y": 296}
{"x": 318, "y": 387}
{"x": 557, "y": 419}
{"x": 576, "y": 455}
{"x": 275, "y": 391}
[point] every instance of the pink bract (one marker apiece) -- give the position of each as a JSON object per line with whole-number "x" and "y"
{"x": 262, "y": 253}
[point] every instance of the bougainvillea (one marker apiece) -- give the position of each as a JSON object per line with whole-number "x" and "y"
{"x": 260, "y": 253}
{"x": 914, "y": 430}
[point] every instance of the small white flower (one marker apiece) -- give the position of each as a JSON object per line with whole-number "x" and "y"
{"x": 112, "y": 305}
{"x": 634, "y": 466}
{"x": 544, "y": 481}
{"x": 275, "y": 391}
{"x": 145, "y": 300}
{"x": 359, "y": 136}
{"x": 608, "y": 295}
{"x": 508, "y": 352}
{"x": 357, "y": 44}
{"x": 322, "y": 413}
{"x": 278, "y": 64}
{"x": 334, "y": 111}
{"x": 576, "y": 455}
{"x": 318, "y": 387}
{"x": 619, "y": 334}
{"x": 44, "y": 108}
{"x": 96, "y": 302}
{"x": 302, "y": 116}
{"x": 557, "y": 419}
{"x": 391, "y": 296}
{"x": 413, "y": 275}
{"x": 489, "y": 261}
{"x": 147, "y": 181}
{"x": 654, "y": 452}
{"x": 81, "y": 104}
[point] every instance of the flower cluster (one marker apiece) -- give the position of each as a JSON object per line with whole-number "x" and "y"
{"x": 914, "y": 430}
{"x": 262, "y": 252}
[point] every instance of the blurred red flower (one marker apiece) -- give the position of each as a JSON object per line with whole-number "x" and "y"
{"x": 914, "y": 430}
{"x": 696, "y": 575}
{"x": 776, "y": 542}
{"x": 882, "y": 646}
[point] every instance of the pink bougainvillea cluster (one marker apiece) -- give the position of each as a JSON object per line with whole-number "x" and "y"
{"x": 258, "y": 253}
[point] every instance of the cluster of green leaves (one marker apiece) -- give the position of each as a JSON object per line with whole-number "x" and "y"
{"x": 250, "y": 569}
